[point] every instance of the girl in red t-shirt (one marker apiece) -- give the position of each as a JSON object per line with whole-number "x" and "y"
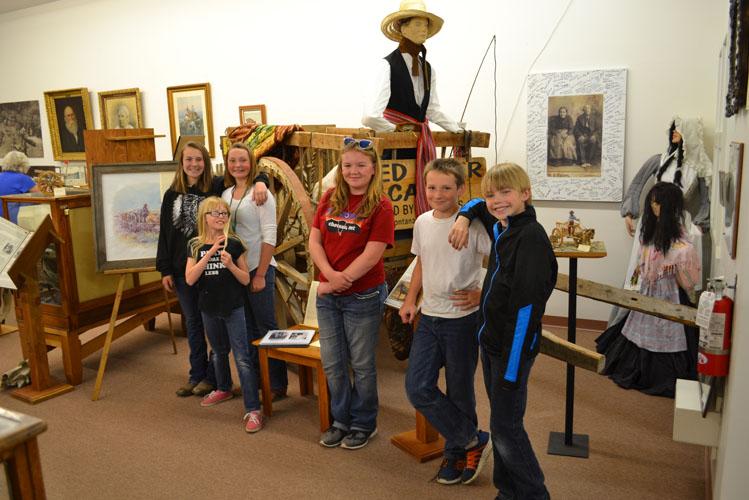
{"x": 353, "y": 226}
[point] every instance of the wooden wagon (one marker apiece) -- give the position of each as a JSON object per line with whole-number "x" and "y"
{"x": 298, "y": 186}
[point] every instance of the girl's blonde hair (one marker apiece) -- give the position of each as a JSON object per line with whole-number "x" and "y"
{"x": 207, "y": 205}
{"x": 205, "y": 183}
{"x": 373, "y": 196}
{"x": 507, "y": 175}
{"x": 229, "y": 179}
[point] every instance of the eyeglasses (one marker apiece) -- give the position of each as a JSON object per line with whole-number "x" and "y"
{"x": 216, "y": 213}
{"x": 359, "y": 143}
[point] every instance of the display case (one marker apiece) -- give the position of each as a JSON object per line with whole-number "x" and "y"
{"x": 74, "y": 296}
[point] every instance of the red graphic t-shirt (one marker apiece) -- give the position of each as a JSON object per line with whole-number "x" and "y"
{"x": 344, "y": 237}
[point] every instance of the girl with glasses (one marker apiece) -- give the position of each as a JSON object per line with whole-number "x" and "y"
{"x": 217, "y": 263}
{"x": 353, "y": 226}
{"x": 255, "y": 224}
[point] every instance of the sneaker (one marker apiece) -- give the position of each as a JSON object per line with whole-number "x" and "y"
{"x": 332, "y": 437}
{"x": 278, "y": 394}
{"x": 476, "y": 457}
{"x": 186, "y": 390}
{"x": 357, "y": 439}
{"x": 216, "y": 397}
{"x": 451, "y": 471}
{"x": 255, "y": 421}
{"x": 202, "y": 388}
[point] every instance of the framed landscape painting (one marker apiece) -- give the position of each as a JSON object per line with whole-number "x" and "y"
{"x": 190, "y": 113}
{"x": 126, "y": 201}
{"x": 252, "y": 113}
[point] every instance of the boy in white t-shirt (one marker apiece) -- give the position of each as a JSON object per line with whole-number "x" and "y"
{"x": 446, "y": 333}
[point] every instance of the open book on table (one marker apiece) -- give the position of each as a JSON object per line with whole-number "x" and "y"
{"x": 287, "y": 338}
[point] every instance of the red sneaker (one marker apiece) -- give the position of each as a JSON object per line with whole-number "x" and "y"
{"x": 216, "y": 397}
{"x": 255, "y": 421}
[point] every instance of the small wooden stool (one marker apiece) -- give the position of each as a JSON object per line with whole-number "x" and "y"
{"x": 308, "y": 359}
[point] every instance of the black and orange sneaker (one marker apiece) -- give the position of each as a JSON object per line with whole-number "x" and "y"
{"x": 451, "y": 471}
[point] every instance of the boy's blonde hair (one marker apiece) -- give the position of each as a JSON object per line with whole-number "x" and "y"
{"x": 447, "y": 166}
{"x": 207, "y": 205}
{"x": 507, "y": 175}
{"x": 374, "y": 194}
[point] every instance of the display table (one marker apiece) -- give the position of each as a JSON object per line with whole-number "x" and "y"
{"x": 567, "y": 443}
{"x": 20, "y": 451}
{"x": 308, "y": 359}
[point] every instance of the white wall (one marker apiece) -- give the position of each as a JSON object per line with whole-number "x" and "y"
{"x": 309, "y": 63}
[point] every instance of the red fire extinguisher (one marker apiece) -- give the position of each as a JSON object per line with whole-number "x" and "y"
{"x": 715, "y": 341}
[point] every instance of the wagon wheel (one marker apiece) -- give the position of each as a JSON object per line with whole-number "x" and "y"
{"x": 294, "y": 267}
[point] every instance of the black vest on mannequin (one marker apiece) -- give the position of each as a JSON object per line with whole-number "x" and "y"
{"x": 402, "y": 96}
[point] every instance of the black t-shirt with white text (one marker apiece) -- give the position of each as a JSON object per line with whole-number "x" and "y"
{"x": 219, "y": 292}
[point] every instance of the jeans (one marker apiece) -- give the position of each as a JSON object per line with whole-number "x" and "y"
{"x": 260, "y": 315}
{"x": 201, "y": 366}
{"x": 229, "y": 333}
{"x": 517, "y": 474}
{"x": 452, "y": 343}
{"x": 349, "y": 327}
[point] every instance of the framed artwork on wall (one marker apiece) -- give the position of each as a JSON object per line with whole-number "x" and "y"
{"x": 120, "y": 109}
{"x": 576, "y": 124}
{"x": 190, "y": 113}
{"x": 126, "y": 201}
{"x": 252, "y": 113}
{"x": 21, "y": 128}
{"x": 69, "y": 114}
{"x": 730, "y": 195}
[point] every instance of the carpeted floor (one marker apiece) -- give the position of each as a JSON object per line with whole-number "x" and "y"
{"x": 141, "y": 441}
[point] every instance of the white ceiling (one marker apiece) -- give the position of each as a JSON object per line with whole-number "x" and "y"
{"x": 11, "y": 5}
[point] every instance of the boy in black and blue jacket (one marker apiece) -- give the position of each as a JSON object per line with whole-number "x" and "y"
{"x": 522, "y": 274}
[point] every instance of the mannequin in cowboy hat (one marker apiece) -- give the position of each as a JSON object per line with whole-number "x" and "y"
{"x": 405, "y": 86}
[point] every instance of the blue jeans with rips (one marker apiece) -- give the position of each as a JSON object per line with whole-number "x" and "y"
{"x": 349, "y": 326}
{"x": 260, "y": 315}
{"x": 452, "y": 343}
{"x": 229, "y": 333}
{"x": 201, "y": 365}
{"x": 517, "y": 474}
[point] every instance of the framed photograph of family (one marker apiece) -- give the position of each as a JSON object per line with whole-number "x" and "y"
{"x": 190, "y": 113}
{"x": 120, "y": 109}
{"x": 69, "y": 114}
{"x": 21, "y": 127}
{"x": 576, "y": 125}
{"x": 252, "y": 113}
{"x": 126, "y": 200}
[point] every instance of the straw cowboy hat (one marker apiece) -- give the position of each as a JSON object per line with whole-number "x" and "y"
{"x": 409, "y": 8}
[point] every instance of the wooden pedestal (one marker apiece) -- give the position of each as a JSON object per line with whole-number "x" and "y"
{"x": 422, "y": 443}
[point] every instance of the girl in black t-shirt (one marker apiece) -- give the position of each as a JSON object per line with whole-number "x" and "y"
{"x": 217, "y": 263}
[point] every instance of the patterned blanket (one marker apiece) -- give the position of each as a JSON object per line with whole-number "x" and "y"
{"x": 264, "y": 140}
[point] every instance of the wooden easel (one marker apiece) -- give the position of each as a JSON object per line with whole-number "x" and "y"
{"x": 116, "y": 331}
{"x": 23, "y": 272}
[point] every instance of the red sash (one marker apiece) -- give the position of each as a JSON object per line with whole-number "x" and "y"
{"x": 425, "y": 152}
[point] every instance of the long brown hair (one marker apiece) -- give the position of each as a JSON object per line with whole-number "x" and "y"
{"x": 229, "y": 179}
{"x": 373, "y": 196}
{"x": 205, "y": 183}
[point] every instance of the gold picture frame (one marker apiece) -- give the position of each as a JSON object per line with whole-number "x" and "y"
{"x": 191, "y": 113}
{"x": 71, "y": 106}
{"x": 254, "y": 112}
{"x": 120, "y": 109}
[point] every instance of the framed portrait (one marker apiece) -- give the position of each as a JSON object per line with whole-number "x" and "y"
{"x": 69, "y": 114}
{"x": 576, "y": 125}
{"x": 126, "y": 201}
{"x": 252, "y": 113}
{"x": 190, "y": 113}
{"x": 120, "y": 109}
{"x": 730, "y": 196}
{"x": 21, "y": 126}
